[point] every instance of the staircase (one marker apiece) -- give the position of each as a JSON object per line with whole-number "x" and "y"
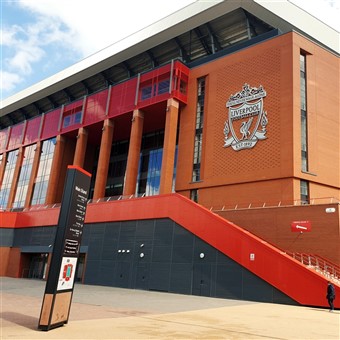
{"x": 304, "y": 285}
{"x": 321, "y": 265}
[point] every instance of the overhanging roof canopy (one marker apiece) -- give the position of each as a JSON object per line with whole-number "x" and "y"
{"x": 192, "y": 33}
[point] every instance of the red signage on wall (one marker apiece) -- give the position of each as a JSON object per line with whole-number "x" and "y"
{"x": 301, "y": 226}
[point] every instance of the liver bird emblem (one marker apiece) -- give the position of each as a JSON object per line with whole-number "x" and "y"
{"x": 244, "y": 129}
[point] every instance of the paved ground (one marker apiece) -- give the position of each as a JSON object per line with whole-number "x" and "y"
{"x": 114, "y": 313}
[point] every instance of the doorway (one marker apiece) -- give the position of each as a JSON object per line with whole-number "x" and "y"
{"x": 38, "y": 266}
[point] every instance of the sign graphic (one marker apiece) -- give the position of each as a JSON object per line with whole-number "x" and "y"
{"x": 67, "y": 273}
{"x": 301, "y": 226}
{"x": 247, "y": 120}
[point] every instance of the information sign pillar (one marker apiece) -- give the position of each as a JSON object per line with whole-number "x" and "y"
{"x": 59, "y": 286}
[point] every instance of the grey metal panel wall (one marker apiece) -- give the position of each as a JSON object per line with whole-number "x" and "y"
{"x": 161, "y": 255}
{"x": 6, "y": 237}
{"x": 155, "y": 255}
{"x": 39, "y": 236}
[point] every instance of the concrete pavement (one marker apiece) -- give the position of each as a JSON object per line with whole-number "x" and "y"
{"x": 113, "y": 313}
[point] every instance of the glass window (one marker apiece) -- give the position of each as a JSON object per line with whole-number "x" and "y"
{"x": 199, "y": 129}
{"x": 44, "y": 171}
{"x": 146, "y": 92}
{"x": 153, "y": 140}
{"x": 72, "y": 117}
{"x": 24, "y": 177}
{"x": 196, "y": 174}
{"x": 302, "y": 62}
{"x": 77, "y": 117}
{"x": 198, "y": 149}
{"x": 8, "y": 178}
{"x": 194, "y": 195}
{"x": 150, "y": 164}
{"x": 304, "y": 192}
{"x": 175, "y": 170}
{"x": 117, "y": 168}
{"x": 67, "y": 121}
{"x": 304, "y": 121}
{"x": 150, "y": 172}
{"x": 163, "y": 86}
{"x": 303, "y": 93}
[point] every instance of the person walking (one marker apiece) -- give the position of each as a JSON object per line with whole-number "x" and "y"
{"x": 330, "y": 296}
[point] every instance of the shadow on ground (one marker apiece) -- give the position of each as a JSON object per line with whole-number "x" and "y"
{"x": 20, "y": 319}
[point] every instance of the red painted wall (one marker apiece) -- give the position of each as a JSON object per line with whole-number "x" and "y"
{"x": 32, "y": 130}
{"x": 50, "y": 124}
{"x": 273, "y": 224}
{"x": 4, "y": 259}
{"x": 3, "y": 139}
{"x": 271, "y": 171}
{"x": 95, "y": 108}
{"x": 15, "y": 136}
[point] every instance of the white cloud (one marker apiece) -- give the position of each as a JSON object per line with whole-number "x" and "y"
{"x": 9, "y": 80}
{"x": 23, "y": 59}
{"x": 26, "y": 44}
{"x": 96, "y": 25}
{"x": 8, "y": 35}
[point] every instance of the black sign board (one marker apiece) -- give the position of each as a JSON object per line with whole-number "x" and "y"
{"x": 60, "y": 281}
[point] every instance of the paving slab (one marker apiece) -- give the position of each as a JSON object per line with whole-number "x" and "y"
{"x": 99, "y": 312}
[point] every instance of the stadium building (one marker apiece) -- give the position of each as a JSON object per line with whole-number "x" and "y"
{"x": 212, "y": 137}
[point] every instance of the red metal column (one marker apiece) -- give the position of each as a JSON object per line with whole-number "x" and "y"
{"x": 55, "y": 170}
{"x": 15, "y": 179}
{"x": 80, "y": 152}
{"x": 169, "y": 147}
{"x": 134, "y": 153}
{"x": 104, "y": 159}
{"x": 35, "y": 167}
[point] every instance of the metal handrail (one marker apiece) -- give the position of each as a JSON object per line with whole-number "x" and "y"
{"x": 325, "y": 267}
{"x": 275, "y": 204}
{"x": 114, "y": 198}
{"x": 245, "y": 206}
{"x": 57, "y": 205}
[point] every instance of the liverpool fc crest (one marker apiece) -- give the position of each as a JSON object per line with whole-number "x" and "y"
{"x": 247, "y": 120}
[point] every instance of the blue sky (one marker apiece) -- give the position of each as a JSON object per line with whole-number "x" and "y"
{"x": 42, "y": 37}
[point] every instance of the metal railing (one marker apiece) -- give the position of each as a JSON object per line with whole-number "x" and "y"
{"x": 276, "y": 204}
{"x": 115, "y": 198}
{"x": 57, "y": 205}
{"x": 321, "y": 265}
{"x": 241, "y": 206}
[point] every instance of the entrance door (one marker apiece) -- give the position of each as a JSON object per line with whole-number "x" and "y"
{"x": 142, "y": 277}
{"x": 37, "y": 266}
{"x": 202, "y": 279}
{"x": 122, "y": 277}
